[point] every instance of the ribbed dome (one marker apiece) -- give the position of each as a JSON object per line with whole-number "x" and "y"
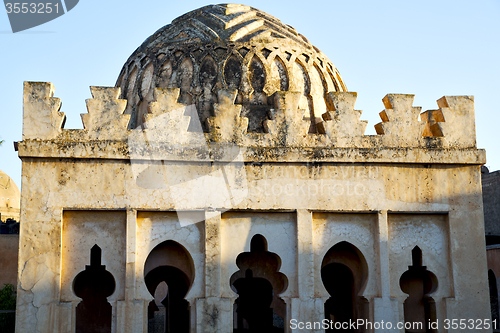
{"x": 228, "y": 46}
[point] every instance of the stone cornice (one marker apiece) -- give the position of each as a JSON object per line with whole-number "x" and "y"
{"x": 120, "y": 150}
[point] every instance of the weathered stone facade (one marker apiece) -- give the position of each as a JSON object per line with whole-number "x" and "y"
{"x": 230, "y": 162}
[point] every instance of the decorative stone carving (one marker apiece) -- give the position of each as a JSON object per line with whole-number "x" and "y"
{"x": 341, "y": 120}
{"x": 41, "y": 117}
{"x": 105, "y": 119}
{"x": 227, "y": 125}
{"x": 454, "y": 121}
{"x": 228, "y": 46}
{"x": 169, "y": 120}
{"x": 400, "y": 123}
{"x": 288, "y": 127}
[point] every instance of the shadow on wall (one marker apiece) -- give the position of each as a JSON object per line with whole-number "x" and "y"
{"x": 419, "y": 283}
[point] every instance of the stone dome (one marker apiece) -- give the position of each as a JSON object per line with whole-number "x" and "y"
{"x": 10, "y": 198}
{"x": 229, "y": 46}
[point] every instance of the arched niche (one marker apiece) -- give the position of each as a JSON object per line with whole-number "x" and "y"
{"x": 258, "y": 284}
{"x": 94, "y": 285}
{"x": 232, "y": 74}
{"x": 129, "y": 95}
{"x": 279, "y": 80}
{"x": 302, "y": 83}
{"x": 205, "y": 100}
{"x": 171, "y": 263}
{"x": 318, "y": 92}
{"x": 183, "y": 76}
{"x": 164, "y": 74}
{"x": 255, "y": 102}
{"x": 145, "y": 93}
{"x": 419, "y": 283}
{"x": 147, "y": 81}
{"x": 344, "y": 273}
{"x": 257, "y": 77}
{"x": 333, "y": 80}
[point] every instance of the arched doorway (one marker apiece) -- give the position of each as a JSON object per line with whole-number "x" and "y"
{"x": 258, "y": 283}
{"x": 418, "y": 283}
{"x": 344, "y": 273}
{"x": 93, "y": 286}
{"x": 169, "y": 274}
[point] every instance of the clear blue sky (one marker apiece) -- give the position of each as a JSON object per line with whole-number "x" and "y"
{"x": 426, "y": 48}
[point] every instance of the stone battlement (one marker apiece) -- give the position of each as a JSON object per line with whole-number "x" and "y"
{"x": 445, "y": 135}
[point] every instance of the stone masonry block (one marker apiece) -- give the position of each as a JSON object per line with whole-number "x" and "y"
{"x": 41, "y": 117}
{"x": 105, "y": 119}
{"x": 341, "y": 120}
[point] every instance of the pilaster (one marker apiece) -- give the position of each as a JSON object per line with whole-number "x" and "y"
{"x": 213, "y": 313}
{"x": 385, "y": 307}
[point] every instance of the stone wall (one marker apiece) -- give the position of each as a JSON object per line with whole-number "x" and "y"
{"x": 378, "y": 199}
{"x": 9, "y": 258}
{"x": 491, "y": 200}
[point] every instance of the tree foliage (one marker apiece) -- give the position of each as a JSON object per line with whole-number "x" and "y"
{"x": 8, "y": 297}
{"x": 7, "y": 302}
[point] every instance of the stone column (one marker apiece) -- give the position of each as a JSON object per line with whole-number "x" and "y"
{"x": 385, "y": 308}
{"x": 213, "y": 313}
{"x": 305, "y": 308}
{"x": 131, "y": 314}
{"x": 212, "y": 254}
{"x": 305, "y": 255}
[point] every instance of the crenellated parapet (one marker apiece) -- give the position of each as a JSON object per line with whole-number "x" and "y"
{"x": 454, "y": 121}
{"x": 169, "y": 121}
{"x": 105, "y": 119}
{"x": 41, "y": 117}
{"x": 227, "y": 125}
{"x": 287, "y": 128}
{"x": 173, "y": 127}
{"x": 341, "y": 121}
{"x": 400, "y": 122}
